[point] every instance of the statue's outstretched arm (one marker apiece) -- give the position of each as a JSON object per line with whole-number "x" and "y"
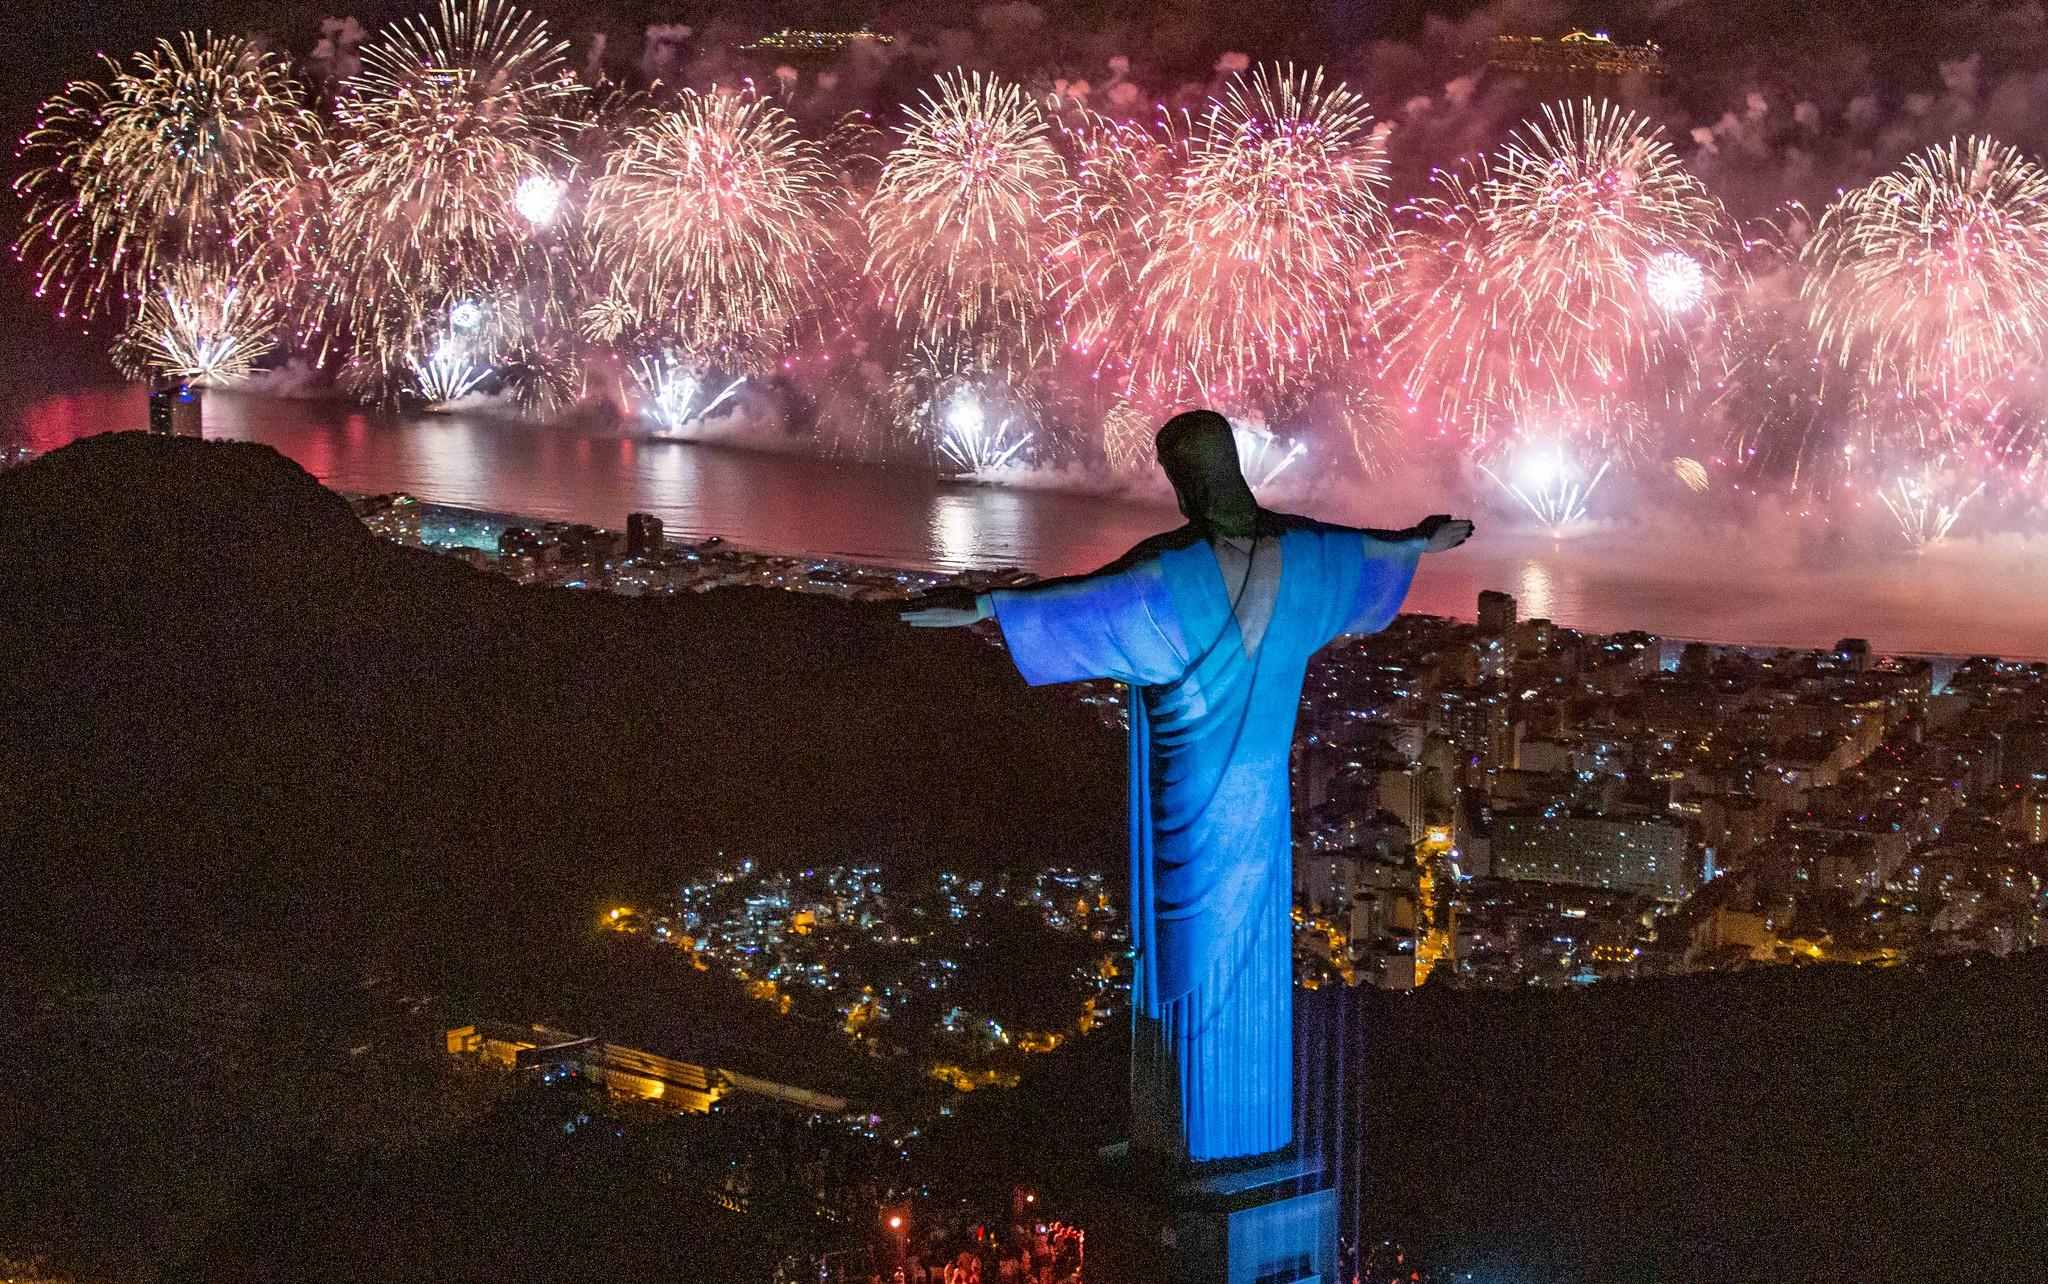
{"x": 947, "y": 609}
{"x": 1441, "y": 533}
{"x": 1436, "y": 534}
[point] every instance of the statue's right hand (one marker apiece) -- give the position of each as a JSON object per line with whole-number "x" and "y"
{"x": 945, "y": 608}
{"x": 940, "y": 617}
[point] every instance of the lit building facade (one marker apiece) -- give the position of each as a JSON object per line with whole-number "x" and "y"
{"x": 1642, "y": 854}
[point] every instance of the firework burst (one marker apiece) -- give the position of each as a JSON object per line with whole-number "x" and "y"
{"x": 447, "y": 373}
{"x": 715, "y": 217}
{"x": 1934, "y": 278}
{"x": 1262, "y": 454}
{"x": 1559, "y": 270}
{"x": 447, "y": 121}
{"x": 1675, "y": 282}
{"x": 1596, "y": 225}
{"x": 960, "y": 225}
{"x": 199, "y": 325}
{"x": 974, "y": 442}
{"x": 156, "y": 165}
{"x": 1262, "y": 254}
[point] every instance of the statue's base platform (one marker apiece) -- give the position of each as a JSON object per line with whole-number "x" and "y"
{"x": 1270, "y": 1222}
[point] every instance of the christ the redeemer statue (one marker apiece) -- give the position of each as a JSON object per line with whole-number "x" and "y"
{"x": 1212, "y": 626}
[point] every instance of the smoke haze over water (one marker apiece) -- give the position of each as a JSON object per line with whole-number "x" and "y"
{"x": 1767, "y": 103}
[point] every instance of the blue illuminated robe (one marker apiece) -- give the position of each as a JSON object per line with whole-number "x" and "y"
{"x": 1212, "y": 721}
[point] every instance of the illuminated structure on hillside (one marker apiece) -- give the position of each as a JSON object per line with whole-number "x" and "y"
{"x": 1575, "y": 53}
{"x": 795, "y": 40}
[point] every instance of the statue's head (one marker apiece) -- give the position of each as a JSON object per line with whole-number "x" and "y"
{"x": 1199, "y": 453}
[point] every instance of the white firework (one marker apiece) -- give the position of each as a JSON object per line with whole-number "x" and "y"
{"x": 447, "y": 374}
{"x": 1549, "y": 483}
{"x": 972, "y": 440}
{"x": 1927, "y": 506}
{"x": 201, "y": 326}
{"x": 538, "y": 199}
{"x": 1675, "y": 282}
{"x": 1262, "y": 454}
{"x": 676, "y": 395}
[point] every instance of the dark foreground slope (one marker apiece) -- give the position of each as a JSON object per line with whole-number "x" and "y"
{"x": 265, "y": 779}
{"x": 233, "y": 720}
{"x": 251, "y": 760}
{"x": 1837, "y": 1125}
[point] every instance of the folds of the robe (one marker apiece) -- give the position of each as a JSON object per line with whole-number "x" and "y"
{"x": 1211, "y": 726}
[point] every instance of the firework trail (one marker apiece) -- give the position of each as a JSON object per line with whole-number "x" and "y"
{"x": 437, "y": 135}
{"x": 1127, "y": 437}
{"x": 1266, "y": 247}
{"x": 960, "y": 225}
{"x": 1766, "y": 393}
{"x": 1262, "y": 454}
{"x": 1928, "y": 503}
{"x": 446, "y": 374}
{"x": 201, "y": 325}
{"x": 155, "y": 166}
{"x": 971, "y": 441}
{"x": 715, "y": 217}
{"x": 1450, "y": 335}
{"x": 1934, "y": 278}
{"x": 1119, "y": 176}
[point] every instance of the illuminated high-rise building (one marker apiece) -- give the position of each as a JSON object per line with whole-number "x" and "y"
{"x": 174, "y": 409}
{"x": 1648, "y": 855}
{"x": 1496, "y": 614}
{"x": 643, "y": 534}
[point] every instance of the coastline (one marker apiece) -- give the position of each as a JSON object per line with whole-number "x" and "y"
{"x": 475, "y": 523}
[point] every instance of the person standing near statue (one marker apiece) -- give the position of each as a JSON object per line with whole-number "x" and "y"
{"x": 1211, "y": 626}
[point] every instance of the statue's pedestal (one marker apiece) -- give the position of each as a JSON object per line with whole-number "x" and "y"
{"x": 1273, "y": 1223}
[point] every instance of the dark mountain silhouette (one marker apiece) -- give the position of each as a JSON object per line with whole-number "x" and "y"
{"x": 235, "y": 720}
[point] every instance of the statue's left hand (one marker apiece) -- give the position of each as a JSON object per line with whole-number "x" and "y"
{"x": 1442, "y": 532}
{"x": 945, "y": 609}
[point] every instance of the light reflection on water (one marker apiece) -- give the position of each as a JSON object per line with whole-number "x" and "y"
{"x": 1744, "y": 588}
